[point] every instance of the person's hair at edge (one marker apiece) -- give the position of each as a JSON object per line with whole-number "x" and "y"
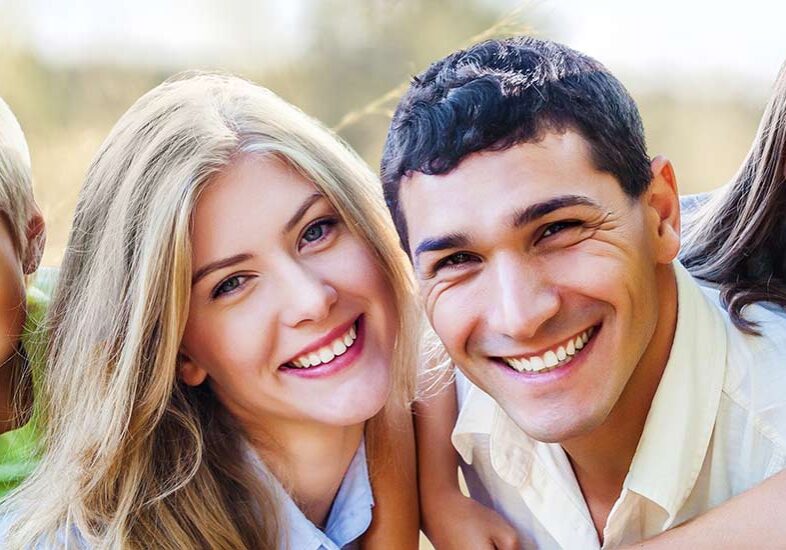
{"x": 16, "y": 188}
{"x": 500, "y": 93}
{"x": 135, "y": 458}
{"x": 17, "y": 206}
{"x": 738, "y": 239}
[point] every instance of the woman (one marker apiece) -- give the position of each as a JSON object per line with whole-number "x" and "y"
{"x": 232, "y": 313}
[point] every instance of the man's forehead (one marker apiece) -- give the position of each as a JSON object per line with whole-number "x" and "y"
{"x": 558, "y": 163}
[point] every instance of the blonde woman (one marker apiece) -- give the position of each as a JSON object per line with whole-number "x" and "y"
{"x": 232, "y": 313}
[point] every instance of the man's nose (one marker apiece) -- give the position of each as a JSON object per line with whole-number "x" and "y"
{"x": 523, "y": 300}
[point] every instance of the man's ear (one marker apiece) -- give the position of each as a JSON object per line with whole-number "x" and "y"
{"x": 663, "y": 200}
{"x": 35, "y": 233}
{"x": 189, "y": 372}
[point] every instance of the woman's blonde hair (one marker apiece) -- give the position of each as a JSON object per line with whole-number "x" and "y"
{"x": 134, "y": 458}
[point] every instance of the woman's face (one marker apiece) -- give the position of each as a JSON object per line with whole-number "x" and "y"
{"x": 291, "y": 320}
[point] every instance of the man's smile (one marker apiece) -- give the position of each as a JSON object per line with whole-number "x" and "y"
{"x": 552, "y": 358}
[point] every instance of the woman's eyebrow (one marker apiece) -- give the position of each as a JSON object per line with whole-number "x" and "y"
{"x": 298, "y": 215}
{"x": 203, "y": 271}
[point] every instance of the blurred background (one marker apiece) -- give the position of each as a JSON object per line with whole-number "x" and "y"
{"x": 701, "y": 74}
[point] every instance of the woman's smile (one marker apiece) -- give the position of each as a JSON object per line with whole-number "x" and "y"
{"x": 339, "y": 353}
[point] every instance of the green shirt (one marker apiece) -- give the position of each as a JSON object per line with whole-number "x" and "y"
{"x": 19, "y": 449}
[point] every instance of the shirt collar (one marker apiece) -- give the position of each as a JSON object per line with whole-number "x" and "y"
{"x": 350, "y": 514}
{"x": 477, "y": 416}
{"x": 679, "y": 425}
{"x": 677, "y": 430}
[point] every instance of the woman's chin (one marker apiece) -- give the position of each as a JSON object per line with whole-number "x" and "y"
{"x": 355, "y": 406}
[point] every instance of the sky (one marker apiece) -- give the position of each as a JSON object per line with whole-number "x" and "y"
{"x": 663, "y": 44}
{"x": 741, "y": 44}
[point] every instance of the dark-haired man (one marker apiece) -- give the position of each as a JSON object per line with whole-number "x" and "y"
{"x": 606, "y": 397}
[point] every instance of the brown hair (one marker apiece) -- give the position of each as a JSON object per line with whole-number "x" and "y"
{"x": 738, "y": 239}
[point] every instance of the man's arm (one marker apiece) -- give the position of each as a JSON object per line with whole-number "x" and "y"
{"x": 753, "y": 519}
{"x": 396, "y": 517}
{"x": 450, "y": 519}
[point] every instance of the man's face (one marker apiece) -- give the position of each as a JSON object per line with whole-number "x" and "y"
{"x": 541, "y": 277}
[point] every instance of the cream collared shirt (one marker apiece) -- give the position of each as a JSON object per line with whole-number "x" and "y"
{"x": 716, "y": 427}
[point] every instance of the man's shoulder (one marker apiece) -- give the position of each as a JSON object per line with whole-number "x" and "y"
{"x": 756, "y": 357}
{"x": 755, "y": 380}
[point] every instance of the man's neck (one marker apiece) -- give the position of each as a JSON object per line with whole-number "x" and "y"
{"x": 601, "y": 459}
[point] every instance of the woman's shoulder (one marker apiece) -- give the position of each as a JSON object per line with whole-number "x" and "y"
{"x": 64, "y": 538}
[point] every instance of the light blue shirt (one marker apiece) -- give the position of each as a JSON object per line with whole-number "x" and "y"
{"x": 349, "y": 518}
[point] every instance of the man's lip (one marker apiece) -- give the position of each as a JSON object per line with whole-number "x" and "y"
{"x": 528, "y": 354}
{"x": 324, "y": 340}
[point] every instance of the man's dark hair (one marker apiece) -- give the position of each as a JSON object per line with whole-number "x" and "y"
{"x": 499, "y": 93}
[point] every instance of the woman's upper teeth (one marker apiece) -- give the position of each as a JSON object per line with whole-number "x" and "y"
{"x": 327, "y": 353}
{"x": 552, "y": 357}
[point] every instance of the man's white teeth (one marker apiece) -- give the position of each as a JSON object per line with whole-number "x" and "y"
{"x": 552, "y": 358}
{"x": 327, "y": 353}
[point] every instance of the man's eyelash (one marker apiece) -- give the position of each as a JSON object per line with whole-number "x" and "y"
{"x": 562, "y": 225}
{"x": 444, "y": 262}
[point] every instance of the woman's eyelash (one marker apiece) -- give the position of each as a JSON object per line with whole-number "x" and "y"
{"x": 323, "y": 226}
{"x": 228, "y": 285}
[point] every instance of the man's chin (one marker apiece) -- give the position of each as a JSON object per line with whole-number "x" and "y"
{"x": 557, "y": 429}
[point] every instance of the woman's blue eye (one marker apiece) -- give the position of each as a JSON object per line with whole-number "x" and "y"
{"x": 314, "y": 233}
{"x": 318, "y": 230}
{"x": 228, "y": 285}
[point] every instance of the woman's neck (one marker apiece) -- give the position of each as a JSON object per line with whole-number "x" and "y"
{"x": 310, "y": 461}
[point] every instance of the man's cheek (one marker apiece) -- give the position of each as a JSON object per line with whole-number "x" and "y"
{"x": 450, "y": 325}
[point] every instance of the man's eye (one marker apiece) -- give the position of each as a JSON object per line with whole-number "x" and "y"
{"x": 228, "y": 285}
{"x": 556, "y": 227}
{"x": 318, "y": 230}
{"x": 455, "y": 260}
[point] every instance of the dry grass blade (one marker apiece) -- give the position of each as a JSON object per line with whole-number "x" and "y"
{"x": 508, "y": 25}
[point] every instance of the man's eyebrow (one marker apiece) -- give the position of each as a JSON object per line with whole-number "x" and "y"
{"x": 298, "y": 215}
{"x": 203, "y": 271}
{"x": 540, "y": 209}
{"x": 453, "y": 240}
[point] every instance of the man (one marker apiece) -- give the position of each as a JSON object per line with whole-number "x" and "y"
{"x": 607, "y": 396}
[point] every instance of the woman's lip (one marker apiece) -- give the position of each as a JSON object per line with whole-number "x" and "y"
{"x": 337, "y": 364}
{"x": 323, "y": 341}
